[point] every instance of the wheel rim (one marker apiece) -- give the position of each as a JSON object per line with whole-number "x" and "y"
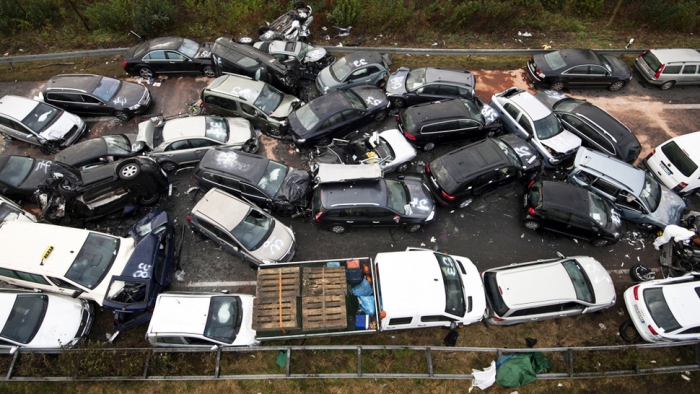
{"x": 403, "y": 167}
{"x": 429, "y": 146}
{"x": 129, "y": 170}
{"x": 414, "y": 228}
{"x": 380, "y": 116}
{"x": 338, "y": 229}
{"x": 616, "y": 86}
{"x": 667, "y": 85}
{"x": 532, "y": 225}
{"x": 168, "y": 166}
{"x": 149, "y": 198}
{"x": 146, "y": 73}
{"x": 557, "y": 86}
{"x": 209, "y": 72}
{"x": 397, "y": 103}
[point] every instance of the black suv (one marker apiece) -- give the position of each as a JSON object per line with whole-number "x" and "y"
{"x": 87, "y": 94}
{"x": 266, "y": 183}
{"x": 424, "y": 125}
{"x": 458, "y": 177}
{"x": 407, "y": 87}
{"x": 231, "y": 57}
{"x": 571, "y": 210}
{"x": 373, "y": 203}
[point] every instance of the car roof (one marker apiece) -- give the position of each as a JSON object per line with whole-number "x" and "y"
{"x": 689, "y": 142}
{"x": 244, "y": 88}
{"x": 222, "y": 208}
{"x": 603, "y": 119}
{"x": 17, "y": 107}
{"x": 83, "y": 82}
{"x": 353, "y": 59}
{"x": 611, "y": 169}
{"x": 180, "y": 314}
{"x": 577, "y": 56}
{"x": 233, "y": 51}
{"x": 684, "y": 301}
{"x": 164, "y": 43}
{"x": 463, "y": 163}
{"x": 191, "y": 126}
{"x": 566, "y": 195}
{"x": 534, "y": 284}
{"x": 461, "y": 77}
{"x": 243, "y": 165}
{"x": 676, "y": 55}
{"x": 435, "y": 110}
{"x": 363, "y": 193}
{"x": 330, "y": 103}
{"x": 530, "y": 104}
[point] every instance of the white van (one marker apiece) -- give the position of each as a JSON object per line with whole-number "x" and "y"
{"x": 675, "y": 163}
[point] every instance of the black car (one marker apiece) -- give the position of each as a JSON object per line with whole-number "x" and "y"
{"x": 571, "y": 210}
{"x": 373, "y": 203}
{"x": 421, "y": 85}
{"x": 88, "y": 94}
{"x": 228, "y": 56}
{"x": 333, "y": 114}
{"x": 167, "y": 55}
{"x": 425, "y": 125}
{"x": 266, "y": 183}
{"x": 21, "y": 176}
{"x": 458, "y": 177}
{"x": 598, "y": 129}
{"x": 578, "y": 68}
{"x": 101, "y": 149}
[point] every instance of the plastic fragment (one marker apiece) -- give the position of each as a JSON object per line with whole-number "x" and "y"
{"x": 602, "y": 327}
{"x": 686, "y": 378}
{"x": 432, "y": 239}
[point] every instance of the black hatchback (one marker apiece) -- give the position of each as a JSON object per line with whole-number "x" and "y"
{"x": 571, "y": 210}
{"x": 458, "y": 177}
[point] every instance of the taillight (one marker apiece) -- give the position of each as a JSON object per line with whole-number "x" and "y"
{"x": 499, "y": 290}
{"x": 531, "y": 211}
{"x": 635, "y": 291}
{"x": 189, "y": 219}
{"x": 652, "y": 152}
{"x": 642, "y": 54}
{"x": 124, "y": 64}
{"x": 652, "y": 330}
{"x": 681, "y": 186}
{"x": 318, "y": 217}
{"x": 497, "y": 318}
{"x": 540, "y": 73}
{"x": 532, "y": 182}
{"x": 446, "y": 196}
{"x": 409, "y": 136}
{"x": 659, "y": 71}
{"x": 427, "y": 168}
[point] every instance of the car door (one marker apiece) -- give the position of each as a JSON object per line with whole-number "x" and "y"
{"x": 71, "y": 102}
{"x": 383, "y": 217}
{"x": 361, "y": 76}
{"x": 630, "y": 207}
{"x": 222, "y": 238}
{"x": 576, "y": 76}
{"x": 179, "y": 63}
{"x": 510, "y": 119}
{"x": 257, "y": 196}
{"x": 354, "y": 217}
{"x": 93, "y": 105}
{"x": 17, "y": 130}
{"x": 332, "y": 124}
{"x": 424, "y": 94}
{"x": 591, "y": 137}
{"x": 561, "y": 309}
{"x": 582, "y": 227}
{"x": 229, "y": 185}
{"x": 221, "y": 106}
{"x": 254, "y": 116}
{"x": 599, "y": 76}
{"x": 689, "y": 74}
{"x": 157, "y": 61}
{"x": 179, "y": 152}
{"x": 556, "y": 219}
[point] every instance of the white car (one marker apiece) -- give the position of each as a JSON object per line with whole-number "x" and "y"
{"x": 547, "y": 289}
{"x": 10, "y": 211}
{"x": 202, "y": 320}
{"x": 43, "y": 321}
{"x": 675, "y": 163}
{"x": 666, "y": 310}
{"x": 530, "y": 119}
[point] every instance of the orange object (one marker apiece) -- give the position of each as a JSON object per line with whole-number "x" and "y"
{"x": 353, "y": 264}
{"x": 368, "y": 278}
{"x": 365, "y": 269}
{"x": 382, "y": 314}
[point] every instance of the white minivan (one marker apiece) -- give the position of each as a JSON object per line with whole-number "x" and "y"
{"x": 675, "y": 163}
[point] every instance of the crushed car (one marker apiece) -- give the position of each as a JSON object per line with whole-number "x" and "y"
{"x": 311, "y": 59}
{"x": 293, "y": 25}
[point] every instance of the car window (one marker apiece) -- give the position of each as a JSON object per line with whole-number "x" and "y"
{"x": 89, "y": 99}
{"x": 355, "y": 101}
{"x": 605, "y": 187}
{"x": 248, "y": 109}
{"x": 117, "y": 144}
{"x": 363, "y": 72}
{"x": 107, "y": 88}
{"x": 629, "y": 201}
{"x": 455, "y": 304}
{"x": 577, "y": 70}
{"x": 485, "y": 179}
{"x": 589, "y": 132}
{"x": 579, "y": 279}
{"x": 307, "y": 117}
{"x": 679, "y": 158}
{"x": 216, "y": 128}
{"x": 659, "y": 309}
{"x": 509, "y": 152}
{"x": 512, "y": 110}
{"x": 254, "y": 229}
{"x": 672, "y": 70}
{"x": 376, "y": 212}
{"x": 178, "y": 145}
{"x": 246, "y": 61}
{"x": 273, "y": 177}
{"x": 688, "y": 69}
{"x": 548, "y": 127}
{"x": 429, "y": 89}
{"x": 558, "y": 215}
{"x": 597, "y": 70}
{"x": 525, "y": 123}
{"x": 415, "y": 79}
{"x": 537, "y": 310}
{"x": 468, "y": 124}
{"x": 202, "y": 143}
{"x": 40, "y": 117}
{"x": 396, "y": 196}
{"x": 340, "y": 69}
{"x": 62, "y": 283}
{"x": 605, "y": 63}
{"x": 26, "y": 276}
{"x": 170, "y": 340}
{"x": 16, "y": 170}
{"x": 333, "y": 120}
{"x": 448, "y": 90}
{"x": 474, "y": 109}
{"x": 269, "y": 99}
{"x": 155, "y": 55}
{"x": 598, "y": 210}
{"x": 651, "y": 193}
{"x": 439, "y": 318}
{"x": 694, "y": 330}
{"x": 567, "y": 104}
{"x": 221, "y": 102}
{"x": 25, "y": 318}
{"x": 400, "y": 321}
{"x": 358, "y": 212}
{"x": 580, "y": 221}
{"x": 351, "y": 114}
{"x": 494, "y": 294}
{"x": 65, "y": 97}
{"x": 223, "y": 319}
{"x": 175, "y": 56}
{"x": 252, "y": 191}
{"x": 94, "y": 260}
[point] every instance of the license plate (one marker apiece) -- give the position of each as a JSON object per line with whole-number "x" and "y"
{"x": 665, "y": 167}
{"x": 639, "y": 314}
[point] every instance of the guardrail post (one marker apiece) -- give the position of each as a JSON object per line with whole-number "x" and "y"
{"x": 145, "y": 364}
{"x": 429, "y": 358}
{"x": 218, "y": 363}
{"x": 359, "y": 361}
{"x": 12, "y": 365}
{"x": 287, "y": 367}
{"x": 570, "y": 361}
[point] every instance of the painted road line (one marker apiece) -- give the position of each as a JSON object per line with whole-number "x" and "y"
{"x": 220, "y": 284}
{"x": 681, "y": 106}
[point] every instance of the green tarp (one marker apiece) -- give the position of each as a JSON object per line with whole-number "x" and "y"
{"x": 521, "y": 369}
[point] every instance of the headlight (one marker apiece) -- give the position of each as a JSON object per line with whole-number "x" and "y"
{"x": 431, "y": 216}
{"x": 283, "y": 122}
{"x": 135, "y": 107}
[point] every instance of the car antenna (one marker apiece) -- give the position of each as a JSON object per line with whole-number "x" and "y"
{"x": 140, "y": 38}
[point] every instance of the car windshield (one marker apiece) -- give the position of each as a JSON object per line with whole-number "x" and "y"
{"x": 567, "y": 104}
{"x": 406, "y": 117}
{"x": 474, "y": 110}
{"x": 340, "y": 69}
{"x": 605, "y": 63}
{"x": 396, "y": 196}
{"x": 548, "y": 127}
{"x": 94, "y": 260}
{"x": 651, "y": 193}
{"x": 355, "y": 101}
{"x": 510, "y": 153}
{"x": 679, "y": 158}
{"x": 273, "y": 177}
{"x": 16, "y": 170}
{"x": 269, "y": 99}
{"x": 41, "y": 116}
{"x": 659, "y": 309}
{"x": 107, "y": 88}
{"x": 582, "y": 285}
{"x": 494, "y": 294}
{"x": 554, "y": 60}
{"x": 216, "y": 128}
{"x": 26, "y": 317}
{"x": 117, "y": 144}
{"x": 598, "y": 210}
{"x": 223, "y": 319}
{"x": 189, "y": 47}
{"x": 254, "y": 230}
{"x": 140, "y": 49}
{"x": 454, "y": 294}
{"x": 415, "y": 79}
{"x": 307, "y": 117}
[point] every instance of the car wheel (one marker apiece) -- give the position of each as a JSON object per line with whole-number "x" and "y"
{"x": 466, "y": 202}
{"x": 168, "y": 166}
{"x": 149, "y": 199}
{"x": 380, "y": 116}
{"x": 628, "y": 328}
{"x": 639, "y": 273}
{"x": 413, "y": 228}
{"x": 299, "y": 4}
{"x": 262, "y": 30}
{"x": 557, "y": 86}
{"x": 402, "y": 168}
{"x": 121, "y": 115}
{"x": 397, "y": 102}
{"x": 208, "y": 72}
{"x": 667, "y": 85}
{"x": 615, "y": 86}
{"x": 146, "y": 72}
{"x": 245, "y": 40}
{"x": 600, "y": 242}
{"x": 129, "y": 170}
{"x": 338, "y": 229}
{"x": 532, "y": 225}
{"x": 429, "y": 146}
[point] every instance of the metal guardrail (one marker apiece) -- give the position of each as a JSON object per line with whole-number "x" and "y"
{"x": 571, "y": 356}
{"x": 334, "y": 49}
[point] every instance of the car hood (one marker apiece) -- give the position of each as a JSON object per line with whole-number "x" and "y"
{"x": 620, "y": 68}
{"x": 62, "y": 126}
{"x": 146, "y": 132}
{"x": 602, "y": 283}
{"x": 403, "y": 150}
{"x": 83, "y": 152}
{"x": 550, "y": 97}
{"x": 130, "y": 94}
{"x": 294, "y": 188}
{"x": 315, "y": 55}
{"x": 276, "y": 245}
{"x": 526, "y": 153}
{"x": 670, "y": 207}
{"x": 204, "y": 51}
{"x": 563, "y": 142}
{"x": 421, "y": 202}
{"x": 325, "y": 81}
{"x": 42, "y": 171}
{"x": 372, "y": 96}
{"x": 285, "y": 108}
{"x": 60, "y": 324}
{"x": 396, "y": 84}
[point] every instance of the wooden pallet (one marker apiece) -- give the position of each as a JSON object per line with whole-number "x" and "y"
{"x": 323, "y": 312}
{"x": 323, "y": 281}
{"x": 272, "y": 281}
{"x": 272, "y": 315}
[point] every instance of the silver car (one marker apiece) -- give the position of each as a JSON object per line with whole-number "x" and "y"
{"x": 183, "y": 141}
{"x": 39, "y": 123}
{"x": 525, "y": 115}
{"x": 242, "y": 229}
{"x": 360, "y": 68}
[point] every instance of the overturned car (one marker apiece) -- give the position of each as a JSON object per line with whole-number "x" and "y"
{"x": 293, "y": 25}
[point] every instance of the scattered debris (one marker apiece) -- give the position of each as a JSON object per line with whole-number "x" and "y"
{"x": 191, "y": 189}
{"x": 602, "y": 326}
{"x": 526, "y": 34}
{"x": 180, "y": 275}
{"x": 686, "y": 378}
{"x": 522, "y": 235}
{"x": 432, "y": 239}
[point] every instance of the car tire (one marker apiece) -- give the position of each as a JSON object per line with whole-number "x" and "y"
{"x": 397, "y": 102}
{"x": 379, "y": 116}
{"x": 667, "y": 85}
{"x": 625, "y": 332}
{"x": 208, "y": 71}
{"x": 402, "y": 168}
{"x": 262, "y": 30}
{"x": 558, "y": 86}
{"x": 637, "y": 273}
{"x": 168, "y": 166}
{"x": 532, "y": 225}
{"x": 429, "y": 146}
{"x": 245, "y": 40}
{"x": 129, "y": 170}
{"x": 121, "y": 115}
{"x": 146, "y": 72}
{"x": 149, "y": 199}
{"x": 299, "y": 4}
{"x": 338, "y": 229}
{"x": 598, "y": 242}
{"x": 615, "y": 86}
{"x": 466, "y": 203}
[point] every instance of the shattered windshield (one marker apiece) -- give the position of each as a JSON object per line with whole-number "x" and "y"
{"x": 651, "y": 193}
{"x": 223, "y": 319}
{"x": 273, "y": 177}
{"x": 269, "y": 99}
{"x": 93, "y": 260}
{"x": 117, "y": 144}
{"x": 454, "y": 293}
{"x": 340, "y": 69}
{"x": 548, "y": 127}
{"x": 25, "y": 318}
{"x": 41, "y": 116}
{"x": 415, "y": 79}
{"x": 107, "y": 88}
{"x": 253, "y": 230}
{"x": 307, "y": 117}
